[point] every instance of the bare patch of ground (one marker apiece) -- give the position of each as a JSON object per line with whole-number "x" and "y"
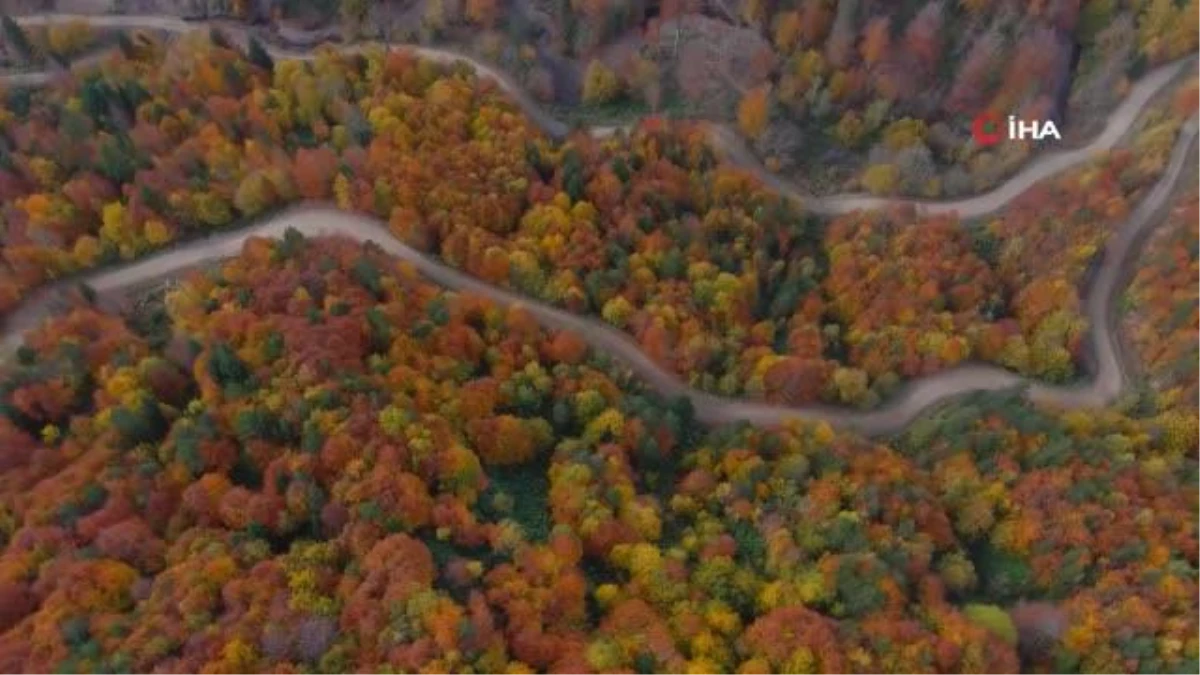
{"x": 712, "y": 62}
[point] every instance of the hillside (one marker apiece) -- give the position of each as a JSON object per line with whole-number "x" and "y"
{"x": 329, "y": 464}
{"x": 730, "y": 286}
{"x": 857, "y": 94}
{"x": 522, "y": 401}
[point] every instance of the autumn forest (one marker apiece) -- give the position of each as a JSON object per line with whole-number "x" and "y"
{"x": 310, "y": 458}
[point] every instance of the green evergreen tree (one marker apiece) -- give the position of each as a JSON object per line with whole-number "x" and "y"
{"x": 226, "y": 368}
{"x": 218, "y": 38}
{"x": 258, "y": 55}
{"x": 143, "y": 423}
{"x": 16, "y": 40}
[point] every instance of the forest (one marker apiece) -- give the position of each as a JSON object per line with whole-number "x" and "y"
{"x": 308, "y": 458}
{"x": 871, "y": 95}
{"x": 733, "y": 287}
{"x": 840, "y": 95}
{"x": 1161, "y": 303}
{"x": 43, "y": 46}
{"x": 315, "y": 461}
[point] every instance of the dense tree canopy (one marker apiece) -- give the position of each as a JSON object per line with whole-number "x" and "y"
{"x": 1162, "y": 303}
{"x": 320, "y": 461}
{"x": 310, "y": 459}
{"x": 727, "y": 284}
{"x": 841, "y": 94}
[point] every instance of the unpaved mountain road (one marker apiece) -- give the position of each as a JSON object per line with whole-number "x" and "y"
{"x": 1108, "y": 363}
{"x": 723, "y": 138}
{"x": 1109, "y": 377}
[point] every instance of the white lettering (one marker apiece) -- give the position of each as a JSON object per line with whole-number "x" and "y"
{"x": 1048, "y": 129}
{"x": 1037, "y": 130}
{"x": 1027, "y": 129}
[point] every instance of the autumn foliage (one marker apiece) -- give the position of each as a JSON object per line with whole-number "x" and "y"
{"x": 309, "y": 458}
{"x": 352, "y": 469}
{"x": 1162, "y": 303}
{"x": 718, "y": 279}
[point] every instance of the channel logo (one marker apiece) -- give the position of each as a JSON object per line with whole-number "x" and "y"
{"x": 988, "y": 129}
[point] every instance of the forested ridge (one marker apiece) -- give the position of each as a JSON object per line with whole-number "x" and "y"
{"x": 719, "y": 280}
{"x": 315, "y": 461}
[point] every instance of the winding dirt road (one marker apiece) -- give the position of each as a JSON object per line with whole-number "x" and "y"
{"x": 1109, "y": 373}
{"x": 723, "y": 139}
{"x": 1108, "y": 364}
{"x": 239, "y": 35}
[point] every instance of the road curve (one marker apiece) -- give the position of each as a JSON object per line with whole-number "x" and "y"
{"x": 1105, "y": 354}
{"x": 238, "y": 34}
{"x": 722, "y": 137}
{"x": 1106, "y": 358}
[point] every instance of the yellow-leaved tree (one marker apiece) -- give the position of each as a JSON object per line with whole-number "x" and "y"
{"x": 754, "y": 112}
{"x": 881, "y": 179}
{"x": 600, "y": 83}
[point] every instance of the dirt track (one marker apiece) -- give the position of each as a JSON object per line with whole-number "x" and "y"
{"x": 1109, "y": 363}
{"x": 724, "y": 139}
